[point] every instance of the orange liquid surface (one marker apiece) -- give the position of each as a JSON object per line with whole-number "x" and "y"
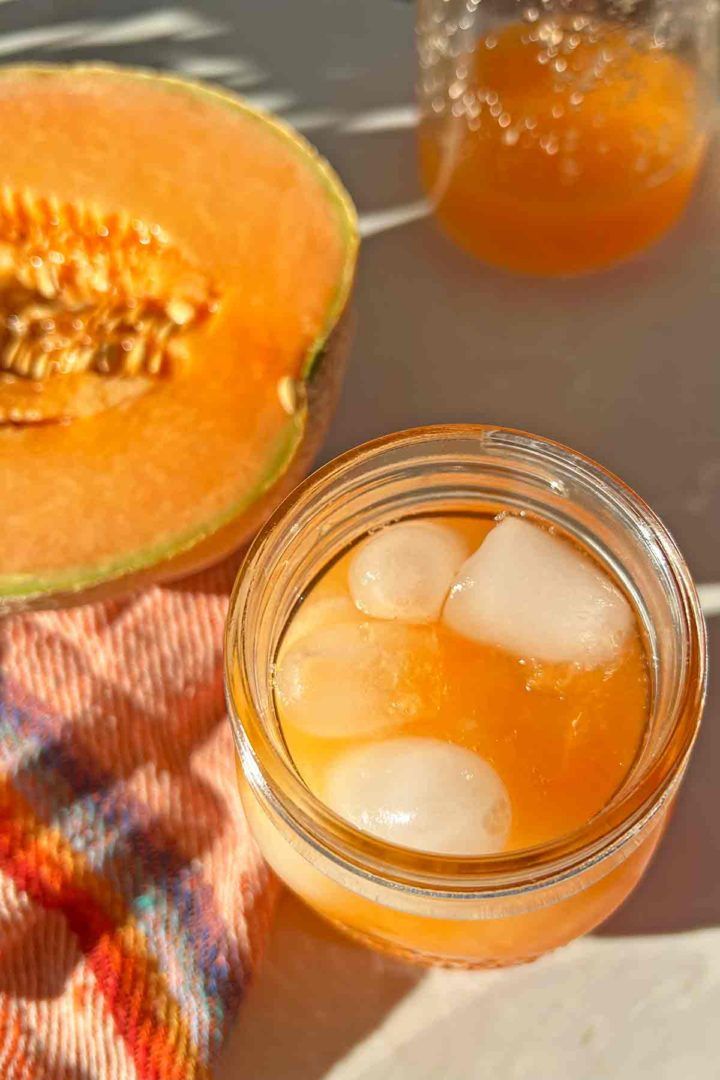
{"x": 562, "y": 739}
{"x": 568, "y": 148}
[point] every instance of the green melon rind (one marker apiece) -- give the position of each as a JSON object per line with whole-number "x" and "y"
{"x": 29, "y": 586}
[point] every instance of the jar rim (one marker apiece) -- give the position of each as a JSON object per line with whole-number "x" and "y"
{"x": 473, "y": 877}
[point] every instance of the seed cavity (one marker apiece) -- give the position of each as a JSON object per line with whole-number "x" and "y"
{"x": 88, "y": 299}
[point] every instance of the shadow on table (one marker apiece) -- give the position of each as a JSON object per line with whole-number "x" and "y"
{"x": 318, "y": 996}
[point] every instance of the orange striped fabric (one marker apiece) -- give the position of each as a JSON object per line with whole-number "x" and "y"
{"x": 133, "y": 904}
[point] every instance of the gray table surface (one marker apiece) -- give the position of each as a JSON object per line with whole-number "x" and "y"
{"x": 623, "y": 366}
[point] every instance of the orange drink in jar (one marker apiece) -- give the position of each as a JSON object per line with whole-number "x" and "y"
{"x": 564, "y": 142}
{"x": 465, "y": 669}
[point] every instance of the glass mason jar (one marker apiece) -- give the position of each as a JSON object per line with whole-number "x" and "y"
{"x": 562, "y": 136}
{"x": 497, "y": 909}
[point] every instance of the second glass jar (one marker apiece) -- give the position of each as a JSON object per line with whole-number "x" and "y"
{"x": 561, "y": 137}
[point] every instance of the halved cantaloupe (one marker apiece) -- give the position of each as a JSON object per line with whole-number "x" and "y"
{"x": 173, "y": 271}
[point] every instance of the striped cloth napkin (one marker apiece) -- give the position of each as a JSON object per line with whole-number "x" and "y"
{"x": 133, "y": 904}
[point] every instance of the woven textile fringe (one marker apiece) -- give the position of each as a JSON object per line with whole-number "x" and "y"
{"x": 133, "y": 903}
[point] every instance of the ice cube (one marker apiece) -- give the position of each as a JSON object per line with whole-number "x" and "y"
{"x": 405, "y": 570}
{"x": 316, "y": 613}
{"x": 354, "y": 679}
{"x": 421, "y": 793}
{"x": 535, "y": 595}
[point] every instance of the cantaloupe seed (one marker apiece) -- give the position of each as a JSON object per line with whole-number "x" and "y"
{"x": 87, "y": 293}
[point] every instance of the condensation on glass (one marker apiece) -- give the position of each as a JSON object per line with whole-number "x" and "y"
{"x": 560, "y": 137}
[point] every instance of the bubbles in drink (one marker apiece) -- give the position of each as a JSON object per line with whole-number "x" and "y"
{"x": 534, "y": 594}
{"x": 421, "y": 793}
{"x": 405, "y": 571}
{"x": 513, "y": 200}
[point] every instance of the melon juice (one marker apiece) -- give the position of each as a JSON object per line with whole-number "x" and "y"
{"x": 494, "y": 654}
{"x": 568, "y": 144}
{"x": 451, "y": 718}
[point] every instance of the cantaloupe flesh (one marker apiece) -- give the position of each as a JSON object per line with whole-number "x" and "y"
{"x": 271, "y": 226}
